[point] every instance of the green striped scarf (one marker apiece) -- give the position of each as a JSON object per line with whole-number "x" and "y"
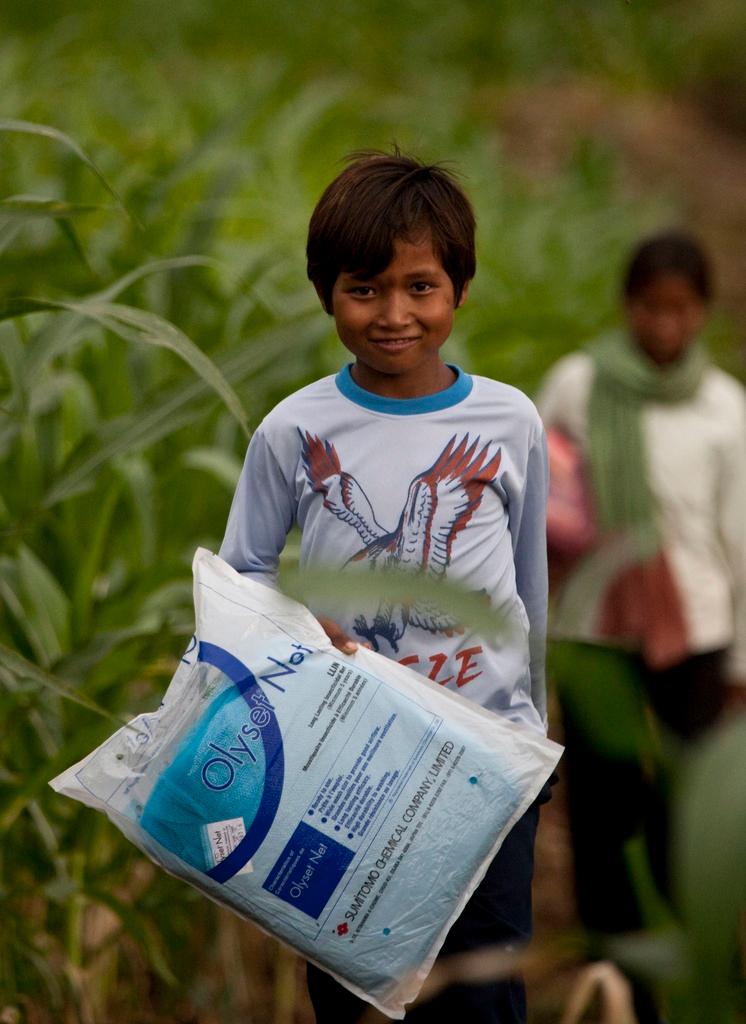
{"x": 624, "y": 380}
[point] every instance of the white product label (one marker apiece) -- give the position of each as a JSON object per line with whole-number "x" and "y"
{"x": 224, "y": 837}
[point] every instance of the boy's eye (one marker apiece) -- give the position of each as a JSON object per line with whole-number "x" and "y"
{"x": 361, "y": 289}
{"x": 422, "y": 287}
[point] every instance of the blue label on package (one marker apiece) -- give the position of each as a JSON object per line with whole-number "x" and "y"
{"x": 308, "y": 870}
{"x": 231, "y": 764}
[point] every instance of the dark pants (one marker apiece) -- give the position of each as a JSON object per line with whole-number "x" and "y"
{"x": 616, "y": 789}
{"x": 499, "y": 912}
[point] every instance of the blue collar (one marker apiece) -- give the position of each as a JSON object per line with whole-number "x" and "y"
{"x": 452, "y": 395}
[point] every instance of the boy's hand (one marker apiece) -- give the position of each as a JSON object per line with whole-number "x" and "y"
{"x": 338, "y": 637}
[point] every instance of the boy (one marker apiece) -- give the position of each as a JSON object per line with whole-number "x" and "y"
{"x": 404, "y": 461}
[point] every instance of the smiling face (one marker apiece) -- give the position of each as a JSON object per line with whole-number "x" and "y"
{"x": 665, "y": 315}
{"x": 395, "y": 322}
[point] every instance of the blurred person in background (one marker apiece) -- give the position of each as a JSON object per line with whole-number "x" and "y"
{"x": 647, "y": 543}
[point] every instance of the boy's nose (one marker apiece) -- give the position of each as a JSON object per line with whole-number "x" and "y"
{"x": 394, "y": 311}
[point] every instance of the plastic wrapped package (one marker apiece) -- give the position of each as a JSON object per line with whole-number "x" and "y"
{"x": 345, "y": 804}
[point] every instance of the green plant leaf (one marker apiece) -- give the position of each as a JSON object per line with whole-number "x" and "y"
{"x": 139, "y": 928}
{"x": 139, "y": 479}
{"x": 709, "y": 867}
{"x": 48, "y": 132}
{"x": 221, "y": 465}
{"x": 169, "y": 597}
{"x": 154, "y": 267}
{"x": 341, "y": 589}
{"x": 8, "y": 232}
{"x": 127, "y": 434}
{"x": 66, "y": 228}
{"x": 78, "y": 415}
{"x": 31, "y": 787}
{"x": 22, "y": 668}
{"x": 138, "y": 325}
{"x": 86, "y": 658}
{"x": 46, "y": 604}
{"x": 65, "y": 330}
{"x": 37, "y": 207}
{"x": 66, "y": 392}
{"x": 183, "y": 406}
{"x": 59, "y": 332}
{"x": 90, "y": 565}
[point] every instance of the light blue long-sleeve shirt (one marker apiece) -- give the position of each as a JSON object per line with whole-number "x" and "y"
{"x": 449, "y": 485}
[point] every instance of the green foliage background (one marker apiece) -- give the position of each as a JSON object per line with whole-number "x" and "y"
{"x": 160, "y": 219}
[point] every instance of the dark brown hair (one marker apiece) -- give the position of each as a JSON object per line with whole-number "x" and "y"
{"x": 380, "y": 198}
{"x": 671, "y": 252}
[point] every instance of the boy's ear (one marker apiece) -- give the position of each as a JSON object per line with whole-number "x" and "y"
{"x": 463, "y": 295}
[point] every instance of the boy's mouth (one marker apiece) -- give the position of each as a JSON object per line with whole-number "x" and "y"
{"x": 395, "y": 344}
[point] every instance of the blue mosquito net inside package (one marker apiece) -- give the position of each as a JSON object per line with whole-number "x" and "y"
{"x": 345, "y": 804}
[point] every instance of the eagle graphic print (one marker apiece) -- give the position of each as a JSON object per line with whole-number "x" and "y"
{"x": 439, "y": 505}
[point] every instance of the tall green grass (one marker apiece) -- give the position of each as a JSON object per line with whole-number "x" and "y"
{"x": 121, "y": 442}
